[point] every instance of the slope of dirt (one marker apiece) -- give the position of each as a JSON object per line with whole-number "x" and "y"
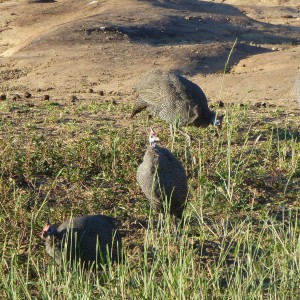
{"x": 70, "y": 46}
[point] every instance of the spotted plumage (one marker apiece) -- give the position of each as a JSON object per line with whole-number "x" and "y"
{"x": 161, "y": 177}
{"x": 88, "y": 239}
{"x": 174, "y": 99}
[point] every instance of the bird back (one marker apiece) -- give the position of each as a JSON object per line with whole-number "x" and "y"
{"x": 161, "y": 175}
{"x": 89, "y": 239}
{"x": 173, "y": 98}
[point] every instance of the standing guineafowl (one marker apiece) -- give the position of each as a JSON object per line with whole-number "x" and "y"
{"x": 174, "y": 99}
{"x": 162, "y": 177}
{"x": 86, "y": 239}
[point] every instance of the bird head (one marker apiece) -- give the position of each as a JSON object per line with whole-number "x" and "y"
{"x": 48, "y": 230}
{"x": 153, "y": 138}
{"x": 217, "y": 120}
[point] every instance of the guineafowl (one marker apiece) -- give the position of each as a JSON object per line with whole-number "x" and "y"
{"x": 87, "y": 239}
{"x": 175, "y": 99}
{"x": 161, "y": 177}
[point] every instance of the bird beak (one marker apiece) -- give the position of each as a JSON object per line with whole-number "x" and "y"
{"x": 43, "y": 234}
{"x": 44, "y": 231}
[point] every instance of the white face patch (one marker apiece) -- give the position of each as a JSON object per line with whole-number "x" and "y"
{"x": 215, "y": 121}
{"x": 153, "y": 138}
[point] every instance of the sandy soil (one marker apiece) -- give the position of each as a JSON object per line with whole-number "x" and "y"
{"x": 70, "y": 46}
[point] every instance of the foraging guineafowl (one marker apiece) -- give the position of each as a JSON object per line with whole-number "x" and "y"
{"x": 87, "y": 239}
{"x": 174, "y": 99}
{"x": 161, "y": 176}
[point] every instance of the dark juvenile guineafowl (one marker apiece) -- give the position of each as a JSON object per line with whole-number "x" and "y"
{"x": 88, "y": 239}
{"x": 161, "y": 176}
{"x": 174, "y": 99}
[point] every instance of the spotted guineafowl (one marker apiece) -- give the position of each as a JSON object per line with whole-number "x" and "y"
{"x": 87, "y": 239}
{"x": 174, "y": 99}
{"x": 161, "y": 176}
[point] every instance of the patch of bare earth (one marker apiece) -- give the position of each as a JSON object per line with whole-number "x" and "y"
{"x": 71, "y": 46}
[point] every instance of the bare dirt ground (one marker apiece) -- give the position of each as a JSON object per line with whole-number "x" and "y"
{"x": 71, "y": 46}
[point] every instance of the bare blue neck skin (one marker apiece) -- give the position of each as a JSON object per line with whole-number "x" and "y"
{"x": 214, "y": 121}
{"x": 152, "y": 144}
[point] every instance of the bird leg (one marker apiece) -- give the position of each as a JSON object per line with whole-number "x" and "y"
{"x": 172, "y": 130}
{"x": 188, "y": 136}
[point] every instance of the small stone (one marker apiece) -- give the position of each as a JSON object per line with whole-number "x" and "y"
{"x": 114, "y": 102}
{"x": 261, "y": 104}
{"x": 3, "y": 97}
{"x": 90, "y": 91}
{"x": 46, "y": 97}
{"x": 101, "y": 93}
{"x": 27, "y": 95}
{"x": 73, "y": 98}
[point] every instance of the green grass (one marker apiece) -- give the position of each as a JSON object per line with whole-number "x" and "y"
{"x": 242, "y": 238}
